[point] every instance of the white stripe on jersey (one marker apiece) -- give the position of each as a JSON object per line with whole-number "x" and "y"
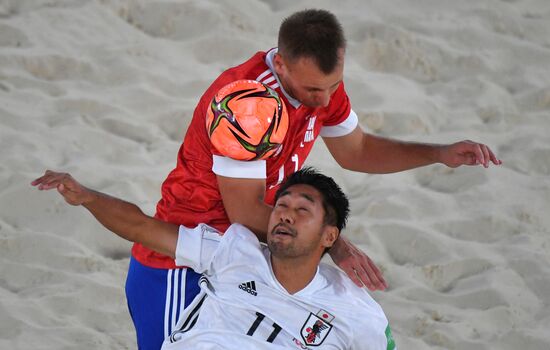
{"x": 263, "y": 75}
{"x": 175, "y": 299}
{"x": 174, "y": 306}
{"x": 181, "y": 303}
{"x": 269, "y": 80}
{"x": 167, "y": 302}
{"x": 189, "y": 316}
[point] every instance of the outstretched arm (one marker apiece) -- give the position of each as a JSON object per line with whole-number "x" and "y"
{"x": 121, "y": 217}
{"x": 360, "y": 151}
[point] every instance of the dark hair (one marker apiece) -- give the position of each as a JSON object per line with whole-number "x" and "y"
{"x": 335, "y": 202}
{"x": 315, "y": 34}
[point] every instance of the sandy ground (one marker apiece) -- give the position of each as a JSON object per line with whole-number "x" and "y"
{"x": 105, "y": 90}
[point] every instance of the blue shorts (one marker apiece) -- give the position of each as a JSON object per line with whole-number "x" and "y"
{"x": 156, "y": 299}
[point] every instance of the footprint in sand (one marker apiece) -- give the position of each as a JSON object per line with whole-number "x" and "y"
{"x": 534, "y": 100}
{"x": 55, "y": 67}
{"x": 397, "y": 123}
{"x": 448, "y": 180}
{"x": 191, "y": 20}
{"x": 479, "y": 299}
{"x": 528, "y": 154}
{"x": 482, "y": 229}
{"x": 137, "y": 132}
{"x": 389, "y": 49}
{"x": 407, "y": 245}
{"x": 443, "y": 277}
{"x": 13, "y": 37}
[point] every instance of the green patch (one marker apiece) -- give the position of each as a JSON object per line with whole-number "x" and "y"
{"x": 389, "y": 338}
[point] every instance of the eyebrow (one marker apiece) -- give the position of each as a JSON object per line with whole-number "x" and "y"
{"x": 317, "y": 88}
{"x": 304, "y": 195}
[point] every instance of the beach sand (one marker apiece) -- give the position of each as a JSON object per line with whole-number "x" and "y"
{"x": 105, "y": 90}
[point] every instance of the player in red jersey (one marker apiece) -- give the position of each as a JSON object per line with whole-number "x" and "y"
{"x": 307, "y": 71}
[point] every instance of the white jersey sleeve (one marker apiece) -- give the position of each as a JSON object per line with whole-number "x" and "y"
{"x": 196, "y": 247}
{"x": 342, "y": 129}
{"x": 229, "y": 167}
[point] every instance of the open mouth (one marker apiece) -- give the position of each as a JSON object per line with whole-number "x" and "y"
{"x": 283, "y": 230}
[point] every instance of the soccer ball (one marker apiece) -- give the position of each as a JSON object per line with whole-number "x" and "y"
{"x": 247, "y": 120}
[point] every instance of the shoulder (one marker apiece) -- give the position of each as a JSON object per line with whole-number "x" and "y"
{"x": 344, "y": 289}
{"x": 339, "y": 108}
{"x": 249, "y": 69}
{"x": 339, "y": 96}
{"x": 361, "y": 316}
{"x": 241, "y": 235}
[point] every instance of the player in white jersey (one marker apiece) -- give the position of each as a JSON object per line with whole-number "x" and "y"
{"x": 242, "y": 303}
{"x": 253, "y": 296}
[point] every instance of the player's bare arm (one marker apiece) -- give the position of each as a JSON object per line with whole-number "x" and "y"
{"x": 243, "y": 200}
{"x": 121, "y": 217}
{"x": 363, "y": 152}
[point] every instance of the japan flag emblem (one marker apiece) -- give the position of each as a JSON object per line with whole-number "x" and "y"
{"x": 316, "y": 328}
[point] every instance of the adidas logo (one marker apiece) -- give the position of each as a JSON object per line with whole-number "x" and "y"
{"x": 249, "y": 287}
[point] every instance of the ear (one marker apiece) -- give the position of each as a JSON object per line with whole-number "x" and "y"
{"x": 330, "y": 235}
{"x": 279, "y": 64}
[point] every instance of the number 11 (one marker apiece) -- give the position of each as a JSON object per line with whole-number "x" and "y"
{"x": 260, "y": 317}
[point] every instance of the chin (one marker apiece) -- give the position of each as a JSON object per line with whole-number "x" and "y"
{"x": 312, "y": 105}
{"x": 278, "y": 249}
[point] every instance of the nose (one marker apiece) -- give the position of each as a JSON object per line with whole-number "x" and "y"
{"x": 287, "y": 217}
{"x": 323, "y": 98}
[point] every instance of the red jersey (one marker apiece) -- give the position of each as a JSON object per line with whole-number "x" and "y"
{"x": 190, "y": 194}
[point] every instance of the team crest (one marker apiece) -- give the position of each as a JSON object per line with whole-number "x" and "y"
{"x": 316, "y": 328}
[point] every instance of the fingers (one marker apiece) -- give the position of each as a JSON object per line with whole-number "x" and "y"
{"x": 350, "y": 272}
{"x": 488, "y": 156}
{"x": 478, "y": 152}
{"x": 365, "y": 279}
{"x": 51, "y": 179}
{"x": 363, "y": 272}
{"x": 485, "y": 152}
{"x": 376, "y": 276}
{"x": 370, "y": 275}
{"x": 493, "y": 158}
{"x": 474, "y": 153}
{"x": 39, "y": 180}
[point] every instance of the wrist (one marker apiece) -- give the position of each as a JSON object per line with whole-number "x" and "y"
{"x": 89, "y": 196}
{"x": 436, "y": 154}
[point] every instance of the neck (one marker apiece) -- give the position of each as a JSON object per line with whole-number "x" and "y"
{"x": 294, "y": 274}
{"x": 286, "y": 88}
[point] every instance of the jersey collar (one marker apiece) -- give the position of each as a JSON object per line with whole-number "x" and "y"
{"x": 317, "y": 283}
{"x": 269, "y": 61}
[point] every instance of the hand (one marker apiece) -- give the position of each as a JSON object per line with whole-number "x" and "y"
{"x": 467, "y": 153}
{"x": 73, "y": 192}
{"x": 357, "y": 265}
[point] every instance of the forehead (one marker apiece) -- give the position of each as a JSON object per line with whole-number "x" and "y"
{"x": 306, "y": 71}
{"x": 306, "y": 192}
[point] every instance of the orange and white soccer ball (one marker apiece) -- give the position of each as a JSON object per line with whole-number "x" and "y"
{"x": 247, "y": 120}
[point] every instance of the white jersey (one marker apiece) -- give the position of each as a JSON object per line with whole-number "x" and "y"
{"x": 242, "y": 305}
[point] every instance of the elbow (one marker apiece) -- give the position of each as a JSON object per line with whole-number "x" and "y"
{"x": 349, "y": 163}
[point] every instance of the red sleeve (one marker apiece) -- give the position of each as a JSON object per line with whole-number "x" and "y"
{"x": 339, "y": 108}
